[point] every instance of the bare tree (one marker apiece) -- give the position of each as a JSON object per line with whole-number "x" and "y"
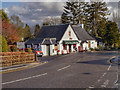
{"x": 52, "y": 21}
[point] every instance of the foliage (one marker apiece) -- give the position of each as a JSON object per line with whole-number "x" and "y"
{"x": 4, "y": 16}
{"x": 4, "y": 44}
{"x": 89, "y": 14}
{"x": 27, "y": 32}
{"x": 97, "y": 11}
{"x": 37, "y": 29}
{"x": 9, "y": 32}
{"x": 13, "y": 48}
{"x": 99, "y": 48}
{"x": 112, "y": 35}
{"x": 18, "y": 24}
{"x": 73, "y": 12}
{"x": 29, "y": 50}
{"x": 91, "y": 49}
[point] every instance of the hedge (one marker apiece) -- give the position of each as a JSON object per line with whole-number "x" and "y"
{"x": 15, "y": 58}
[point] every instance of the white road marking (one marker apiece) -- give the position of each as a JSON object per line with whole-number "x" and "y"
{"x": 104, "y": 74}
{"x": 63, "y": 68}
{"x": 109, "y": 68}
{"x": 105, "y": 83}
{"x": 24, "y": 79}
{"x": 91, "y": 87}
{"x": 99, "y": 80}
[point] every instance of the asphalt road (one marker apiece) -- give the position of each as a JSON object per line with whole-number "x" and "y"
{"x": 76, "y": 70}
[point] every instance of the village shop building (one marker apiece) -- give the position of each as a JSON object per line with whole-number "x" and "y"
{"x": 60, "y": 39}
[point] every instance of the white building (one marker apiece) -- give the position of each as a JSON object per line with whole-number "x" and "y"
{"x": 59, "y": 39}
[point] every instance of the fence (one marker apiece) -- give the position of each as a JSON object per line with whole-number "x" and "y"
{"x": 14, "y": 58}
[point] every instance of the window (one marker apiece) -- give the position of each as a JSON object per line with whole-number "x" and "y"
{"x": 28, "y": 46}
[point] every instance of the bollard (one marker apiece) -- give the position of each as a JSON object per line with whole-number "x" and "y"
{"x": 35, "y": 57}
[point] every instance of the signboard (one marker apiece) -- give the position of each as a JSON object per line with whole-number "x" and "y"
{"x": 20, "y": 45}
{"x": 70, "y": 42}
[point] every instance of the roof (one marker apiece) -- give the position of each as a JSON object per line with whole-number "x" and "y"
{"x": 41, "y": 41}
{"x": 81, "y": 33}
{"x": 49, "y": 41}
{"x": 34, "y": 41}
{"x": 54, "y": 31}
{"x": 98, "y": 39}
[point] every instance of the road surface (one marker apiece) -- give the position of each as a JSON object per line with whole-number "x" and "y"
{"x": 76, "y": 70}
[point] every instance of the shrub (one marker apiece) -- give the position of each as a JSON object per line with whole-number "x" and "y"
{"x": 13, "y": 48}
{"x": 92, "y": 49}
{"x": 28, "y": 50}
{"x": 4, "y": 44}
{"x": 100, "y": 48}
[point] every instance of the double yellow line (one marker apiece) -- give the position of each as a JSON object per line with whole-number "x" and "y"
{"x": 111, "y": 59}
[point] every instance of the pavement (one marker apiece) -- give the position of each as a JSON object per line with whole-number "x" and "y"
{"x": 21, "y": 66}
{"x": 76, "y": 70}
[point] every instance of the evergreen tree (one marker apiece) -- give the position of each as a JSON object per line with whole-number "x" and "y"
{"x": 27, "y": 32}
{"x": 37, "y": 29}
{"x": 97, "y": 10}
{"x": 73, "y": 12}
{"x": 112, "y": 33}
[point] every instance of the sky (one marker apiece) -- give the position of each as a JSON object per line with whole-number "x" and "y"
{"x": 34, "y": 12}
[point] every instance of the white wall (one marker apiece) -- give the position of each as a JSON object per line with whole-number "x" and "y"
{"x": 93, "y": 44}
{"x": 44, "y": 50}
{"x": 66, "y": 35}
{"x": 52, "y": 49}
{"x": 85, "y": 46}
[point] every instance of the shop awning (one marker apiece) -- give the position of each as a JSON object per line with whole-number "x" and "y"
{"x": 71, "y": 42}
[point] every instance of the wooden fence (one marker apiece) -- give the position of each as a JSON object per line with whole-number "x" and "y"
{"x": 14, "y": 58}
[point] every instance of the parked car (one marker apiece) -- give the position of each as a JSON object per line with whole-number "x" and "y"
{"x": 38, "y": 51}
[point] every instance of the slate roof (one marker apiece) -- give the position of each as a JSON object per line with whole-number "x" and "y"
{"x": 81, "y": 33}
{"x": 34, "y": 41}
{"x": 41, "y": 41}
{"x": 54, "y": 31}
{"x": 49, "y": 41}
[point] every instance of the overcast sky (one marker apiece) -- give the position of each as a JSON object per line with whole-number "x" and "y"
{"x": 34, "y": 12}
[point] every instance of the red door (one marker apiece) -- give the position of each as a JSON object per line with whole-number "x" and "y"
{"x": 79, "y": 48}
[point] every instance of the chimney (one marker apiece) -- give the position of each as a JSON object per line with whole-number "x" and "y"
{"x": 81, "y": 25}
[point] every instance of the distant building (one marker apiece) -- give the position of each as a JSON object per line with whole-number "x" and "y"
{"x": 58, "y": 39}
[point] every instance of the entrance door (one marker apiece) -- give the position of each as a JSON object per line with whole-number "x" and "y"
{"x": 70, "y": 47}
{"x": 89, "y": 44}
{"x": 48, "y": 50}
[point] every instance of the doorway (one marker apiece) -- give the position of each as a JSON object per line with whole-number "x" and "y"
{"x": 69, "y": 47}
{"x": 48, "y": 50}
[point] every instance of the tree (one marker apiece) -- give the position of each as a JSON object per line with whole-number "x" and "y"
{"x": 51, "y": 21}
{"x": 37, "y": 29}
{"x": 15, "y": 20}
{"x": 4, "y": 16}
{"x": 3, "y": 44}
{"x": 102, "y": 29}
{"x": 75, "y": 12}
{"x": 27, "y": 32}
{"x": 9, "y": 32}
{"x": 97, "y": 10}
{"x": 112, "y": 35}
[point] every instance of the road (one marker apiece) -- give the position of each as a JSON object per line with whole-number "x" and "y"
{"x": 76, "y": 70}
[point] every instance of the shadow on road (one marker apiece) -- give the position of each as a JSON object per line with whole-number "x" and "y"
{"x": 99, "y": 62}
